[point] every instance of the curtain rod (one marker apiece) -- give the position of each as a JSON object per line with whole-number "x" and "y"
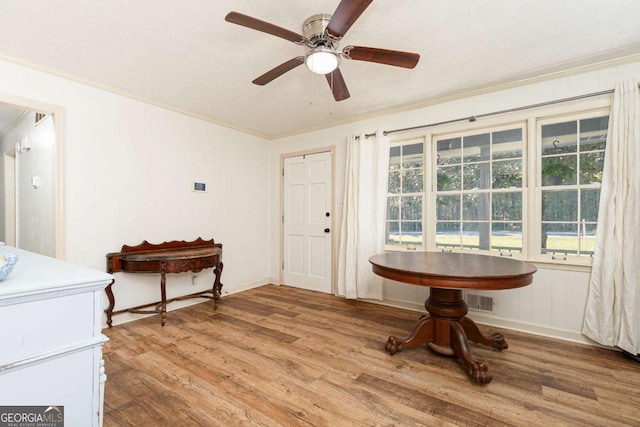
{"x": 510, "y": 110}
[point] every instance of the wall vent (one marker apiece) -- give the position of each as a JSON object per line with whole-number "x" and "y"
{"x": 480, "y": 302}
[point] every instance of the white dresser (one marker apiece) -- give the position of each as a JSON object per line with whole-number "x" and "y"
{"x": 50, "y": 339}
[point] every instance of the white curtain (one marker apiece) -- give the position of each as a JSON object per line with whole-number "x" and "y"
{"x": 612, "y": 316}
{"x": 363, "y": 216}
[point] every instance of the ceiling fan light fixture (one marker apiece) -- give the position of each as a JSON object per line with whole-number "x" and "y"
{"x": 322, "y": 60}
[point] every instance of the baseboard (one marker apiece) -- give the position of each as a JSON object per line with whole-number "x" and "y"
{"x": 123, "y": 318}
{"x": 498, "y": 322}
{"x": 530, "y": 328}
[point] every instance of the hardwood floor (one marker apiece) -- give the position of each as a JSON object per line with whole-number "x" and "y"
{"x": 282, "y": 356}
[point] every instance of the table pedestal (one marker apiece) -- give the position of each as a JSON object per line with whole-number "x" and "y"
{"x": 446, "y": 330}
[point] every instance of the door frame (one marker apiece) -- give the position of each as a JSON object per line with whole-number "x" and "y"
{"x": 58, "y": 115}
{"x": 10, "y": 198}
{"x": 334, "y": 241}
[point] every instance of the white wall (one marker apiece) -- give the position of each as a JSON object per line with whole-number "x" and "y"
{"x": 554, "y": 304}
{"x": 128, "y": 170}
{"x": 34, "y": 224}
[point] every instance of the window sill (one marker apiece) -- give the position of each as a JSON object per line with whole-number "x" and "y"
{"x": 566, "y": 265}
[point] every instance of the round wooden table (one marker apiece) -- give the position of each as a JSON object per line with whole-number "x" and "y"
{"x": 446, "y": 328}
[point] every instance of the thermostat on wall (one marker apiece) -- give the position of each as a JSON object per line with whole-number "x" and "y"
{"x": 200, "y": 187}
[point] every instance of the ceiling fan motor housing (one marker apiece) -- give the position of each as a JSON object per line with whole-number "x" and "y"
{"x": 314, "y": 30}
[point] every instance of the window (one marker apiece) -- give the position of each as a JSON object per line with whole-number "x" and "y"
{"x": 571, "y": 163}
{"x": 529, "y": 189}
{"x": 405, "y": 196}
{"x": 478, "y": 197}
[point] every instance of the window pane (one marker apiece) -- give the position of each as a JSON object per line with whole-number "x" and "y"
{"x": 475, "y": 235}
{"x": 506, "y": 236}
{"x": 475, "y": 148}
{"x": 560, "y": 138}
{"x": 406, "y": 187}
{"x": 448, "y": 151}
{"x": 490, "y": 161}
{"x": 507, "y": 174}
{"x": 411, "y": 232}
{"x": 394, "y": 158}
{"x": 394, "y": 182}
{"x": 559, "y": 170}
{"x": 559, "y": 238}
{"x": 412, "y": 156}
{"x": 393, "y": 208}
{"x": 589, "y": 204}
{"x": 412, "y": 180}
{"x": 507, "y": 144}
{"x": 476, "y": 176}
{"x": 411, "y": 207}
{"x": 448, "y": 234}
{"x": 393, "y": 233}
{"x": 560, "y": 205}
{"x": 591, "y": 165}
{"x": 448, "y": 178}
{"x": 448, "y": 208}
{"x": 593, "y": 133}
{"x": 507, "y": 206}
{"x": 587, "y": 239}
{"x": 475, "y": 206}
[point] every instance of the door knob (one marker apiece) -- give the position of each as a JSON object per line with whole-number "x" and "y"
{"x": 326, "y": 230}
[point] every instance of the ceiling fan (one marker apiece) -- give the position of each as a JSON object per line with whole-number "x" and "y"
{"x": 322, "y": 33}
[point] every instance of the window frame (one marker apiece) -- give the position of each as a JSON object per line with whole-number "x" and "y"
{"x": 400, "y": 246}
{"x": 536, "y": 222}
{"x": 532, "y": 121}
{"x": 433, "y": 192}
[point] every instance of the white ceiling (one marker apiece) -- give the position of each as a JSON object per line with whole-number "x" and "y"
{"x": 185, "y": 56}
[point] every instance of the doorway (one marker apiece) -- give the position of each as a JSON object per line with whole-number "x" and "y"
{"x": 30, "y": 194}
{"x": 307, "y": 221}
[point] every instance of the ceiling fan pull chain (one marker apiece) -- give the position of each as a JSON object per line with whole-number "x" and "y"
{"x": 312, "y": 91}
{"x": 332, "y": 98}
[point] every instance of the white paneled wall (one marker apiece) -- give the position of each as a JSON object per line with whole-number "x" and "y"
{"x": 553, "y": 305}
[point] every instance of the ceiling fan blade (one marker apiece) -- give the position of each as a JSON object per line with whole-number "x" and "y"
{"x": 345, "y": 15}
{"x": 265, "y": 27}
{"x": 278, "y": 71}
{"x": 337, "y": 85}
{"x": 382, "y": 56}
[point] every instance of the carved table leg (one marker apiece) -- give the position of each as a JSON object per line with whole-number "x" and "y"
{"x": 422, "y": 333}
{"x": 477, "y": 370}
{"x": 473, "y": 333}
{"x": 445, "y": 330}
{"x": 163, "y": 291}
{"x": 217, "y": 286}
{"x": 112, "y": 302}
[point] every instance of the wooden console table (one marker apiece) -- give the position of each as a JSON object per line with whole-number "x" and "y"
{"x": 446, "y": 328}
{"x": 167, "y": 257}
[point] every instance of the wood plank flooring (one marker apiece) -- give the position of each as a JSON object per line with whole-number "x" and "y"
{"x": 279, "y": 356}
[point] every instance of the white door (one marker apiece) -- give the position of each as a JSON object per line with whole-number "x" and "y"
{"x": 307, "y": 222}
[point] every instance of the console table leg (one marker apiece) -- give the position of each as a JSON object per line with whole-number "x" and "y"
{"x": 112, "y": 303}
{"x": 477, "y": 370}
{"x": 217, "y": 286}
{"x": 421, "y": 334}
{"x": 163, "y": 291}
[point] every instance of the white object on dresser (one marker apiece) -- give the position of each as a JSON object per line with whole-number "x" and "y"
{"x": 50, "y": 338}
